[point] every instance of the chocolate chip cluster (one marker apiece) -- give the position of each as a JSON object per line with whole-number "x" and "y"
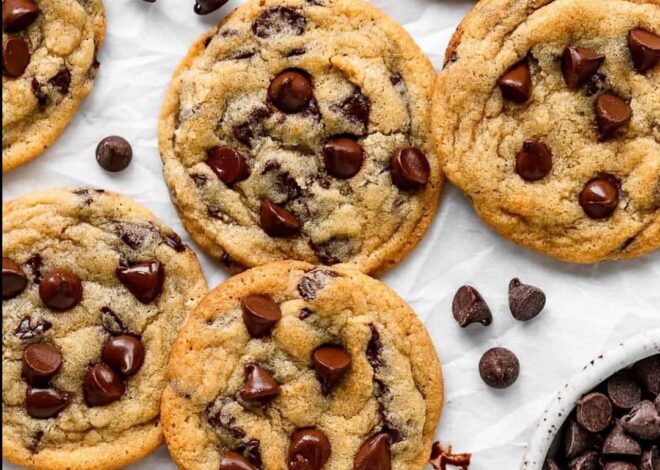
{"x": 616, "y": 426}
{"x": 599, "y": 196}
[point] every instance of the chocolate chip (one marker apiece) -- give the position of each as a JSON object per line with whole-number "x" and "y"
{"x": 259, "y": 385}
{"x": 499, "y": 368}
{"x": 252, "y": 452}
{"x": 619, "y": 443}
{"x": 45, "y": 403}
{"x": 644, "y": 49}
{"x": 374, "y": 350}
{"x": 534, "y": 161}
{"x": 291, "y": 91}
{"x": 577, "y": 440}
{"x": 650, "y": 459}
{"x": 35, "y": 263}
{"x": 14, "y": 279}
{"x": 245, "y": 131}
{"x": 594, "y": 412}
{"x": 61, "y": 81}
{"x": 199, "y": 179}
{"x": 309, "y": 450}
{"x": 101, "y": 386}
{"x": 355, "y": 108}
{"x": 643, "y": 421}
{"x": 18, "y": 14}
{"x": 374, "y": 454}
{"x": 114, "y": 153}
{"x": 143, "y": 279}
{"x": 39, "y": 93}
{"x": 277, "y": 221}
{"x": 279, "y": 20}
{"x": 220, "y": 417}
{"x": 234, "y": 461}
{"x": 111, "y": 322}
{"x": 516, "y": 83}
{"x": 173, "y": 240}
{"x": 612, "y": 113}
{"x": 623, "y": 390}
{"x": 343, "y": 157}
{"x": 41, "y": 361}
{"x": 305, "y": 313}
{"x": 331, "y": 363}
{"x": 648, "y": 372}
{"x": 469, "y": 307}
{"x": 204, "y": 7}
{"x": 15, "y": 57}
{"x": 410, "y": 169}
{"x": 260, "y": 314}
{"x": 228, "y": 164}
{"x": 313, "y": 282}
{"x": 525, "y": 302}
{"x": 61, "y": 290}
{"x": 124, "y": 354}
{"x": 26, "y": 330}
{"x": 550, "y": 465}
{"x": 587, "y": 461}
{"x": 619, "y": 466}
{"x": 578, "y": 65}
{"x": 600, "y": 196}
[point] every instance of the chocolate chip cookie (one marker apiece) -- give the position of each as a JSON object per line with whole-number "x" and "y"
{"x": 48, "y": 66}
{"x": 294, "y": 366}
{"x": 299, "y": 129}
{"x": 94, "y": 290}
{"x": 546, "y": 115}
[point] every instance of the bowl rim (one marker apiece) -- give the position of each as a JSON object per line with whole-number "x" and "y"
{"x": 623, "y": 355}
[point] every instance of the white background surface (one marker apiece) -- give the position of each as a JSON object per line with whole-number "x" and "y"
{"x": 589, "y": 307}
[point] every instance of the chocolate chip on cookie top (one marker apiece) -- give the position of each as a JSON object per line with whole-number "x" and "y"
{"x": 293, "y": 151}
{"x": 567, "y": 98}
{"x": 94, "y": 292}
{"x": 355, "y": 384}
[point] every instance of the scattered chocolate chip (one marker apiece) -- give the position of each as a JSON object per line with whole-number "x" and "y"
{"x": 234, "y": 461}
{"x": 374, "y": 454}
{"x": 643, "y": 421}
{"x": 343, "y": 157}
{"x": 101, "y": 386}
{"x": 259, "y": 385}
{"x": 469, "y": 307}
{"x": 612, "y": 113}
{"x": 355, "y": 108}
{"x": 60, "y": 290}
{"x": 578, "y": 65}
{"x": 594, "y": 412}
{"x": 15, "y": 57}
{"x": 644, "y": 49}
{"x": 619, "y": 443}
{"x": 525, "y": 302}
{"x": 14, "y": 279}
{"x": 309, "y": 450}
{"x": 410, "y": 169}
{"x": 17, "y": 15}
{"x": 587, "y": 461}
{"x": 143, "y": 279}
{"x": 61, "y": 81}
{"x": 114, "y": 153}
{"x": 279, "y": 20}
{"x": 623, "y": 390}
{"x": 374, "y": 350}
{"x": 499, "y": 368}
{"x": 291, "y": 91}
{"x": 331, "y": 363}
{"x": 260, "y": 314}
{"x": 577, "y": 440}
{"x": 228, "y": 164}
{"x": 600, "y": 196}
{"x": 534, "y": 161}
{"x": 124, "y": 354}
{"x": 252, "y": 452}
{"x": 26, "y": 330}
{"x": 314, "y": 281}
{"x": 204, "y": 7}
{"x": 277, "y": 221}
{"x": 648, "y": 372}
{"x": 41, "y": 361}
{"x": 516, "y": 83}
{"x": 45, "y": 403}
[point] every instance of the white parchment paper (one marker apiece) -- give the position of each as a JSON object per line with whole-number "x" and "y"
{"x": 589, "y": 307}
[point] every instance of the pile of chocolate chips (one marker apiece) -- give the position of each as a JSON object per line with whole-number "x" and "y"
{"x": 616, "y": 426}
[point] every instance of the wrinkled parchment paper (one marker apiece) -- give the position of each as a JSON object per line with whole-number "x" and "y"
{"x": 589, "y": 307}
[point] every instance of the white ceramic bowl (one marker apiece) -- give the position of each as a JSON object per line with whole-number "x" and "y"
{"x": 624, "y": 355}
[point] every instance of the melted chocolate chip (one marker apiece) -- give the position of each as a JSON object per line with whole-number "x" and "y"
{"x": 612, "y": 113}
{"x": 41, "y": 361}
{"x": 331, "y": 363}
{"x": 173, "y": 240}
{"x": 410, "y": 169}
{"x": 469, "y": 307}
{"x": 314, "y": 281}
{"x": 279, "y": 20}
{"x": 578, "y": 65}
{"x": 114, "y": 153}
{"x": 39, "y": 93}
{"x": 259, "y": 385}
{"x": 375, "y": 349}
{"x": 374, "y": 454}
{"x": 101, "y": 386}
{"x": 45, "y": 403}
{"x": 111, "y": 322}
{"x": 525, "y": 301}
{"x": 204, "y": 7}
{"x": 534, "y": 161}
{"x": 26, "y": 330}
{"x": 228, "y": 164}
{"x": 234, "y": 461}
{"x": 309, "y": 450}
{"x": 343, "y": 157}
{"x": 15, "y": 57}
{"x": 124, "y": 354}
{"x": 355, "y": 108}
{"x": 516, "y": 83}
{"x": 291, "y": 91}
{"x": 277, "y": 221}
{"x": 61, "y": 290}
{"x": 260, "y": 314}
{"x": 18, "y": 15}
{"x": 143, "y": 279}
{"x": 61, "y": 81}
{"x": 14, "y": 279}
{"x": 600, "y": 196}
{"x": 499, "y": 368}
{"x": 644, "y": 49}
